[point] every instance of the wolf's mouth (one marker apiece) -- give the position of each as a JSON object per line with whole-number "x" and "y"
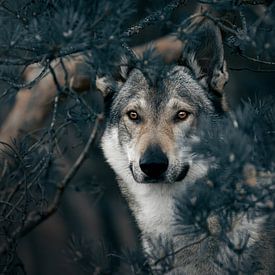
{"x": 155, "y": 180}
{"x": 183, "y": 172}
{"x": 162, "y": 179}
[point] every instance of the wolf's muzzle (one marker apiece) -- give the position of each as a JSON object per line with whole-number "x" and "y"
{"x": 154, "y": 162}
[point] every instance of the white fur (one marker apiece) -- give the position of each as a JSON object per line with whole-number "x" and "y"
{"x": 154, "y": 211}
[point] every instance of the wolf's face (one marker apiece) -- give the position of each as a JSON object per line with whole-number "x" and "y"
{"x": 150, "y": 129}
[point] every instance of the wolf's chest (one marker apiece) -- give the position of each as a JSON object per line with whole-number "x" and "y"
{"x": 153, "y": 209}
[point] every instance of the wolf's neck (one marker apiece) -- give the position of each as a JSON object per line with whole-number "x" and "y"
{"x": 152, "y": 206}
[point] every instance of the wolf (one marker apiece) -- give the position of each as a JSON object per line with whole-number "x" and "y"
{"x": 148, "y": 137}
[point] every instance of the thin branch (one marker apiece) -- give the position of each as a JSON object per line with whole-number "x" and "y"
{"x": 253, "y": 2}
{"x": 153, "y": 18}
{"x": 229, "y": 30}
{"x": 147, "y": 21}
{"x": 36, "y": 217}
{"x": 251, "y": 70}
{"x": 243, "y": 2}
{"x": 219, "y": 23}
{"x": 180, "y": 249}
{"x": 6, "y": 92}
{"x": 55, "y": 79}
{"x": 257, "y": 60}
{"x": 29, "y": 84}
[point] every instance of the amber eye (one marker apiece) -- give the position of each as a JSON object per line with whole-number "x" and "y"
{"x": 133, "y": 115}
{"x": 182, "y": 115}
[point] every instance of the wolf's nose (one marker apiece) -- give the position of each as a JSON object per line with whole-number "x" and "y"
{"x": 154, "y": 162}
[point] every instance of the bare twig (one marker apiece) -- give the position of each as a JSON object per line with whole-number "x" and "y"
{"x": 153, "y": 18}
{"x": 36, "y": 217}
{"x": 252, "y": 70}
{"x": 256, "y": 60}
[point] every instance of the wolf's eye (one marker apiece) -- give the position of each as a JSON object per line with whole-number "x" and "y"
{"x": 133, "y": 115}
{"x": 182, "y": 115}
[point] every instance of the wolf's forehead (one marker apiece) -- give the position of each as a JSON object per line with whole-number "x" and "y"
{"x": 182, "y": 84}
{"x": 178, "y": 83}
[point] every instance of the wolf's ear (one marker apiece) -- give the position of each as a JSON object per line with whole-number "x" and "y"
{"x": 204, "y": 55}
{"x": 113, "y": 83}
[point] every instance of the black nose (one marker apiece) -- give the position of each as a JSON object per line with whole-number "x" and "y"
{"x": 154, "y": 162}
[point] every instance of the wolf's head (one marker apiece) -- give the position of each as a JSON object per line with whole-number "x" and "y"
{"x": 150, "y": 127}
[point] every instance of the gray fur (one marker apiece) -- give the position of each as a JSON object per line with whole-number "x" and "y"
{"x": 124, "y": 142}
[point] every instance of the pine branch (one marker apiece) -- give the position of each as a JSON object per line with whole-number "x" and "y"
{"x": 153, "y": 18}
{"x": 35, "y": 217}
